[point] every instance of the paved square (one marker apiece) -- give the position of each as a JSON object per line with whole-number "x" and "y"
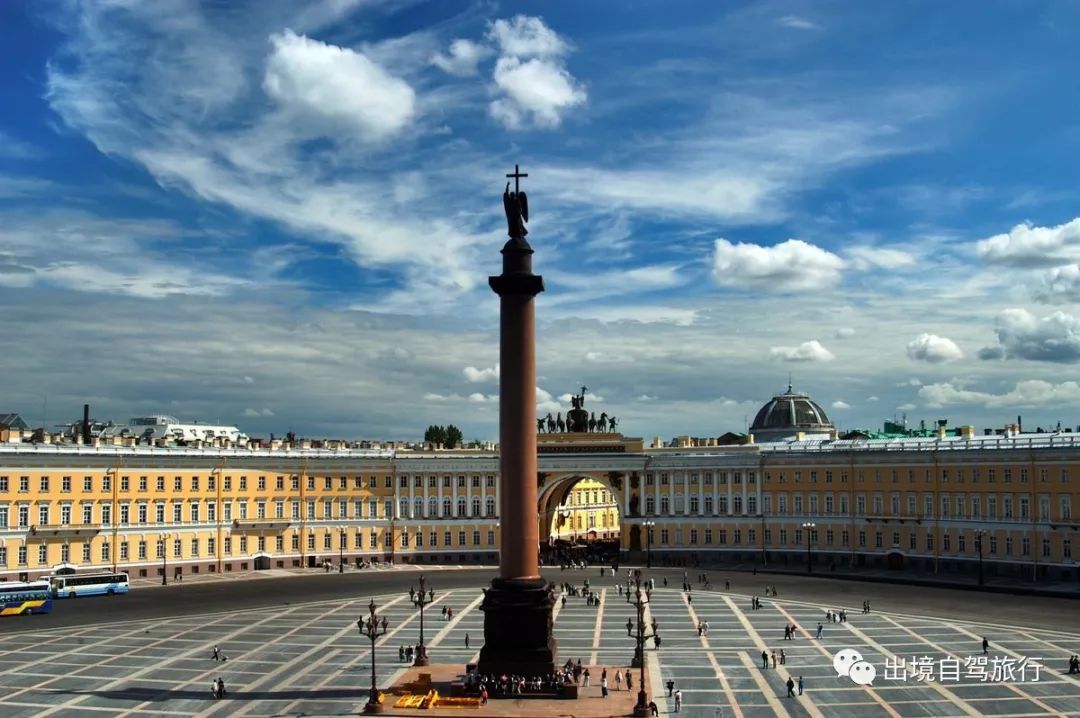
{"x": 310, "y": 659}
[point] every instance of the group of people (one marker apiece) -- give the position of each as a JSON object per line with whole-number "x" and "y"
{"x": 1074, "y": 664}
{"x": 672, "y": 693}
{"x": 217, "y": 686}
{"x": 836, "y": 616}
{"x": 770, "y": 591}
{"x": 791, "y": 687}
{"x": 405, "y": 653}
{"x": 765, "y": 658}
{"x": 508, "y": 685}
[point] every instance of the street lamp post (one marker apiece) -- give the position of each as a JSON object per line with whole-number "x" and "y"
{"x": 341, "y": 549}
{"x": 648, "y": 541}
{"x": 373, "y": 628}
{"x": 809, "y": 526}
{"x": 164, "y": 554}
{"x": 641, "y": 709}
{"x": 420, "y": 599}
{"x": 979, "y": 533}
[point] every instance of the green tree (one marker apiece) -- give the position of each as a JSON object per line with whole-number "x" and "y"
{"x": 453, "y": 436}
{"x": 435, "y": 434}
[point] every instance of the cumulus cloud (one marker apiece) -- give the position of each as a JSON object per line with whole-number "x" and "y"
{"x": 864, "y": 259}
{"x": 991, "y": 353}
{"x": 524, "y": 36}
{"x": 845, "y": 333}
{"x": 1053, "y": 338}
{"x": 1060, "y": 285}
{"x": 807, "y": 351}
{"x": 840, "y": 404}
{"x": 476, "y": 376}
{"x": 789, "y": 266}
{"x": 934, "y": 349}
{"x": 336, "y": 86}
{"x": 872, "y": 398}
{"x": 462, "y": 59}
{"x": 258, "y": 413}
{"x": 536, "y": 89}
{"x": 478, "y": 398}
{"x": 533, "y": 86}
{"x": 1029, "y": 393}
{"x": 645, "y": 397}
{"x": 1027, "y": 246}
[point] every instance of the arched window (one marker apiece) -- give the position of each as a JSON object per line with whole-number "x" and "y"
{"x": 461, "y": 506}
{"x": 650, "y": 505}
{"x": 446, "y": 507}
{"x": 490, "y": 508}
{"x": 476, "y": 506}
{"x": 403, "y": 507}
{"x": 432, "y": 507}
{"x": 418, "y": 508}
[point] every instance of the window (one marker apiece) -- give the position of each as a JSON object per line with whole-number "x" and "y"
{"x": 194, "y": 483}
{"x": 142, "y": 513}
{"x": 65, "y": 484}
{"x": 24, "y": 485}
{"x": 106, "y": 514}
{"x": 160, "y": 485}
{"x": 946, "y": 542}
{"x": 663, "y": 535}
{"x": 43, "y": 515}
{"x": 44, "y": 484}
{"x": 490, "y": 506}
{"x": 87, "y": 483}
{"x": 142, "y": 550}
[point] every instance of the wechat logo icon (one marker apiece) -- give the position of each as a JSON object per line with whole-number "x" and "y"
{"x": 849, "y": 662}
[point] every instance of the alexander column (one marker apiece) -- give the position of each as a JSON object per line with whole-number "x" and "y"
{"x": 517, "y": 608}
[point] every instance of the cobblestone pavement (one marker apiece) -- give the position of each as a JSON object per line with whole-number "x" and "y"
{"x": 309, "y": 659}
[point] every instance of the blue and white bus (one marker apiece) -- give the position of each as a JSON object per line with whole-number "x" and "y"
{"x": 89, "y": 584}
{"x": 24, "y": 599}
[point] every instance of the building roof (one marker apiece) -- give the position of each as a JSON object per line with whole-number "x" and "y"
{"x": 788, "y": 413}
{"x": 13, "y": 421}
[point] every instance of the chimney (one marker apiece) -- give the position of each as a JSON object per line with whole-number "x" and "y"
{"x": 86, "y": 423}
{"x": 967, "y": 432}
{"x": 1019, "y": 425}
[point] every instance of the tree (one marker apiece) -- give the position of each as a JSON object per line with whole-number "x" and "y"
{"x": 453, "y": 436}
{"x": 435, "y": 434}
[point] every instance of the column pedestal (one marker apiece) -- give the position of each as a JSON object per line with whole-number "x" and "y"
{"x": 518, "y": 629}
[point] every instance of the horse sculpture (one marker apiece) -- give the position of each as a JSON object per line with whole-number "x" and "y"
{"x": 550, "y": 424}
{"x": 601, "y": 424}
{"x": 560, "y": 423}
{"x": 540, "y": 426}
{"x": 592, "y": 421}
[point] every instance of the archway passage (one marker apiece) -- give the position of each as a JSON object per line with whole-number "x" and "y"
{"x": 579, "y": 520}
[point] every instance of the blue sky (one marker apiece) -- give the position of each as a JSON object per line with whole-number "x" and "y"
{"x": 282, "y": 215}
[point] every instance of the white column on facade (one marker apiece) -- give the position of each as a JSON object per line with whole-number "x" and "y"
{"x": 397, "y": 496}
{"x": 483, "y": 495}
{"x": 730, "y": 493}
{"x": 686, "y": 492}
{"x": 716, "y": 492}
{"x": 656, "y": 493}
{"x": 625, "y": 494}
{"x": 439, "y": 496}
{"x": 469, "y": 498}
{"x": 453, "y": 496}
{"x": 699, "y": 489}
{"x": 424, "y": 488}
{"x": 746, "y": 478}
{"x": 412, "y": 498}
{"x": 671, "y": 494}
{"x": 498, "y": 505}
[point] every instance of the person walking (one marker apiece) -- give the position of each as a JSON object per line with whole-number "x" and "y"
{"x": 678, "y": 701}
{"x": 653, "y": 708}
{"x": 466, "y": 640}
{"x": 773, "y": 657}
{"x": 764, "y": 659}
{"x": 819, "y": 629}
{"x": 213, "y": 689}
{"x": 800, "y": 685}
{"x": 985, "y": 645}
{"x": 587, "y": 676}
{"x": 783, "y": 657}
{"x": 618, "y": 681}
{"x": 603, "y": 688}
{"x": 216, "y": 654}
{"x": 221, "y": 687}
{"x": 790, "y": 688}
{"x": 670, "y": 688}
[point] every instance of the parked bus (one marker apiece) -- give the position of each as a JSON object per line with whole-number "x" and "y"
{"x": 23, "y": 599}
{"x": 89, "y": 584}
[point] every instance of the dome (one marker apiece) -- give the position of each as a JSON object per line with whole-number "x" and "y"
{"x": 790, "y": 413}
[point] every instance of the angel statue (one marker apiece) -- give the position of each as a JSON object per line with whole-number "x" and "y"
{"x": 516, "y": 205}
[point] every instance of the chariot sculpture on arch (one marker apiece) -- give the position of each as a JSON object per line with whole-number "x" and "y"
{"x": 578, "y": 420}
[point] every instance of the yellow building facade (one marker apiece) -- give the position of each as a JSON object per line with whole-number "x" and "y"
{"x": 932, "y": 504}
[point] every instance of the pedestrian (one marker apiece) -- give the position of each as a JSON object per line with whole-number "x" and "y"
{"x": 401, "y": 654}
{"x": 678, "y": 701}
{"x": 213, "y": 689}
{"x": 587, "y": 676}
{"x": 629, "y": 680}
{"x": 618, "y": 680}
{"x": 665, "y": 581}
{"x": 773, "y": 656}
{"x": 603, "y": 687}
{"x": 217, "y": 654}
{"x": 800, "y": 685}
{"x": 727, "y": 585}
{"x": 764, "y": 659}
{"x": 220, "y": 687}
{"x": 790, "y": 687}
{"x": 656, "y": 642}
{"x": 787, "y": 633}
{"x": 670, "y": 688}
{"x": 819, "y": 629}
{"x": 444, "y": 611}
{"x": 706, "y": 628}
{"x": 653, "y": 708}
{"x": 466, "y": 640}
{"x": 449, "y": 613}
{"x": 483, "y": 696}
{"x": 564, "y": 601}
{"x": 985, "y": 645}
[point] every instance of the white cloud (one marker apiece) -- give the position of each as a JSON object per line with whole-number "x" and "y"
{"x": 248, "y": 380}
{"x": 1060, "y": 285}
{"x": 462, "y": 59}
{"x": 258, "y": 413}
{"x": 907, "y": 407}
{"x": 865, "y": 259}
{"x": 1029, "y": 393}
{"x": 475, "y": 376}
{"x": 1028, "y": 246}
{"x": 589, "y": 397}
{"x": 840, "y": 404}
{"x": 1053, "y": 338}
{"x": 845, "y": 333}
{"x": 645, "y": 397}
{"x": 934, "y": 349}
{"x": 607, "y": 358}
{"x": 807, "y": 351}
{"x": 797, "y": 23}
{"x": 872, "y": 398}
{"x": 525, "y": 36}
{"x": 789, "y": 266}
{"x": 336, "y": 87}
{"x": 536, "y": 90}
{"x": 478, "y": 398}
